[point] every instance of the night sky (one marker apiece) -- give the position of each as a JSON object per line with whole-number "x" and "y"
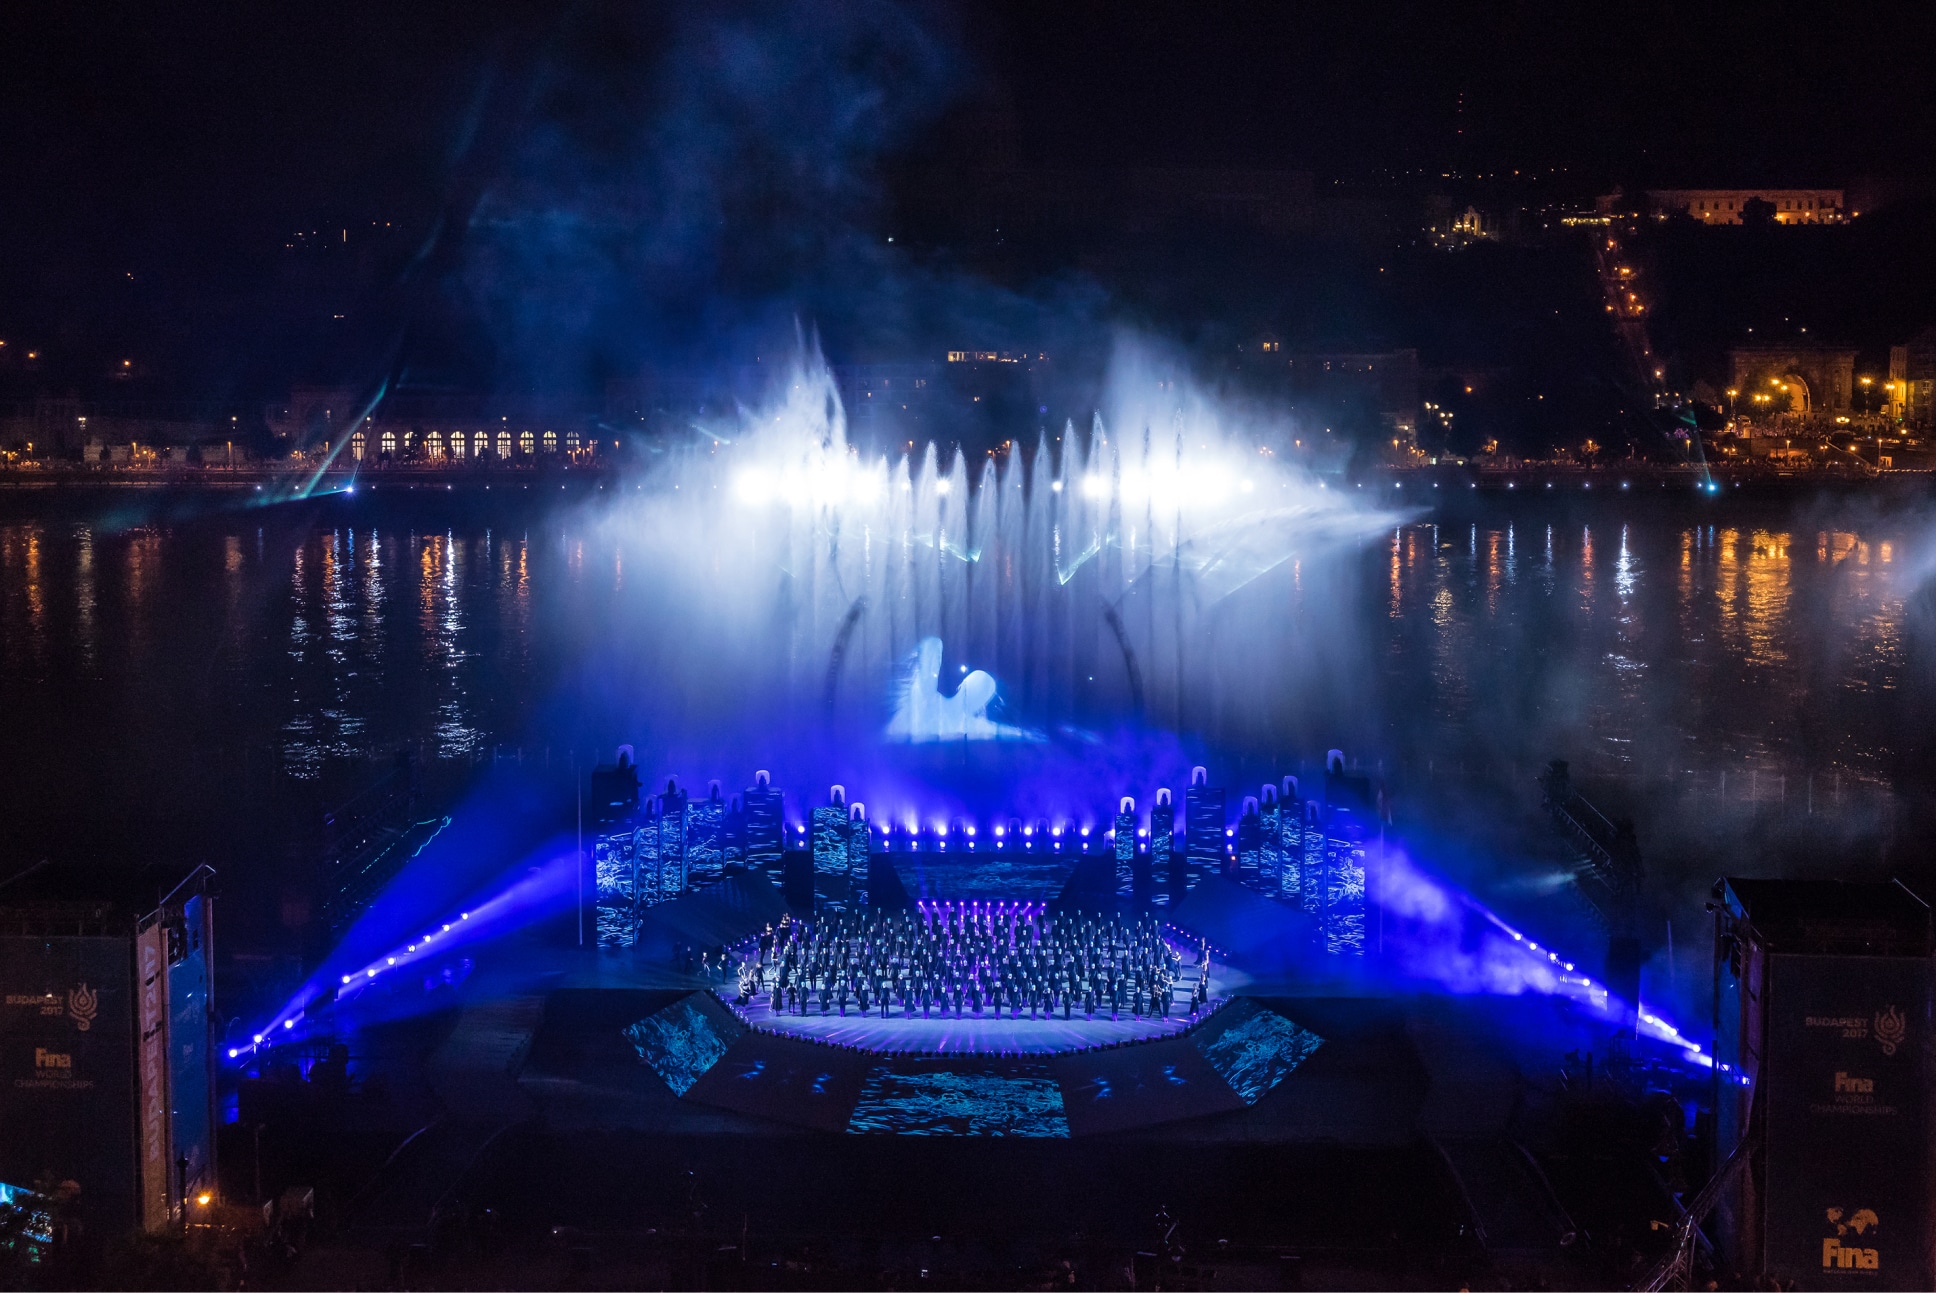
{"x": 1666, "y": 92}
{"x": 537, "y": 183}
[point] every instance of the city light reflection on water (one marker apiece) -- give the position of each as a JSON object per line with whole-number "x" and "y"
{"x": 1706, "y": 645}
{"x": 1642, "y": 644}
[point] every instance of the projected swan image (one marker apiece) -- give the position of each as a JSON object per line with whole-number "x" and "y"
{"x": 923, "y": 714}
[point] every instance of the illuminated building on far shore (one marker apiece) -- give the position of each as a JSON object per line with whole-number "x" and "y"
{"x": 1911, "y": 388}
{"x": 1813, "y": 383}
{"x": 1726, "y": 206}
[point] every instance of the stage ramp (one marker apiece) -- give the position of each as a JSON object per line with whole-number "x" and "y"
{"x": 691, "y": 1048}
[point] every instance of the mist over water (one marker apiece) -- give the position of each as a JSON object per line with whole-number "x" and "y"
{"x": 1097, "y": 599}
{"x": 1755, "y": 660}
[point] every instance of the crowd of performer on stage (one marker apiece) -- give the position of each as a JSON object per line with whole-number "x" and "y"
{"x": 972, "y": 960}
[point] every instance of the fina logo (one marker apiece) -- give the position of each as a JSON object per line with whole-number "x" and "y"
{"x": 1890, "y": 1029}
{"x": 1837, "y": 1256}
{"x": 83, "y": 1003}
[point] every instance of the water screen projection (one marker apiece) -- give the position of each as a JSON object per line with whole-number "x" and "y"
{"x": 1033, "y": 632}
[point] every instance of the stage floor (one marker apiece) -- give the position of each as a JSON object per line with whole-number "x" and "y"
{"x": 951, "y": 1036}
{"x": 988, "y": 1034}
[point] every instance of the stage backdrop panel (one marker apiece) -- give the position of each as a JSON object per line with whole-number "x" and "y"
{"x": 986, "y": 875}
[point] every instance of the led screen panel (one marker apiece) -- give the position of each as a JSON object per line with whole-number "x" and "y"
{"x": 683, "y": 1041}
{"x": 945, "y": 1101}
{"x": 1254, "y": 1048}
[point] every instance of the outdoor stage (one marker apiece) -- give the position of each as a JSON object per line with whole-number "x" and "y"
{"x": 989, "y": 1035}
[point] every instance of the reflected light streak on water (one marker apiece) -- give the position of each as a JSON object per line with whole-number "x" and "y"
{"x": 1746, "y": 624}
{"x": 1743, "y": 645}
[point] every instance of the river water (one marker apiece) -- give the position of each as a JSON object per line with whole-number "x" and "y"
{"x": 1746, "y": 677}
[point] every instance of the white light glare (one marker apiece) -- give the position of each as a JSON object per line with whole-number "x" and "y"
{"x": 1188, "y": 485}
{"x": 754, "y": 487}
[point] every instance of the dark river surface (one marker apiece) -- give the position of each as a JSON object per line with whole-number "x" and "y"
{"x": 1749, "y": 677}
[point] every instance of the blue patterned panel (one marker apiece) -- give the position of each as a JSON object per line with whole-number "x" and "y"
{"x": 829, "y": 840}
{"x": 1256, "y": 1050}
{"x": 612, "y": 867}
{"x": 986, "y": 876}
{"x": 705, "y": 841}
{"x": 679, "y": 1042}
{"x": 1344, "y": 896}
{"x": 953, "y": 1102}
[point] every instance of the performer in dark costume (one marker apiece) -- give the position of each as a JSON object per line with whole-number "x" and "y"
{"x": 969, "y": 960}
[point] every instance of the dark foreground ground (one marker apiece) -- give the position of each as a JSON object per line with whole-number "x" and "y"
{"x": 501, "y": 1139}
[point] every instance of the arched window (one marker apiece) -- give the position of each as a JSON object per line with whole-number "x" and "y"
{"x": 389, "y": 442}
{"x": 504, "y": 444}
{"x": 434, "y": 445}
{"x": 571, "y": 442}
{"x": 527, "y": 443}
{"x": 551, "y": 442}
{"x": 481, "y": 444}
{"x": 358, "y": 443}
{"x": 458, "y": 444}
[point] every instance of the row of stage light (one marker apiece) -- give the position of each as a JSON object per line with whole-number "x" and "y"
{"x": 1649, "y": 1023}
{"x": 967, "y": 835}
{"x": 368, "y": 974}
{"x": 539, "y": 890}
